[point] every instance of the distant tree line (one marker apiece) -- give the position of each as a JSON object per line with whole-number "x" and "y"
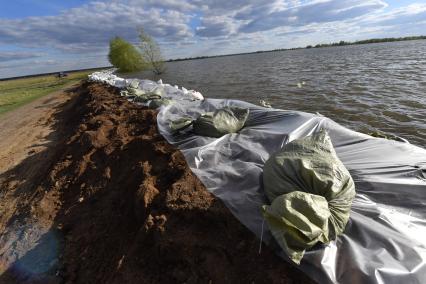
{"x": 340, "y": 43}
{"x": 367, "y": 41}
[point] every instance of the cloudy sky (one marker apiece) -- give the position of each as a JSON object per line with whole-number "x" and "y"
{"x": 38, "y": 36}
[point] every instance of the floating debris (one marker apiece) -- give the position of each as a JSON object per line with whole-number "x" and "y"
{"x": 301, "y": 84}
{"x": 265, "y": 104}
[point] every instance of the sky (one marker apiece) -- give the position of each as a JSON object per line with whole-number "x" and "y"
{"x": 39, "y": 36}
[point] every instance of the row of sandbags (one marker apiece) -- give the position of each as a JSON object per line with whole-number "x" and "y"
{"x": 145, "y": 90}
{"x": 309, "y": 189}
{"x": 151, "y": 97}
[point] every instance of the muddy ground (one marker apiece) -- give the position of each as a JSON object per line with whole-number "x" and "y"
{"x": 105, "y": 199}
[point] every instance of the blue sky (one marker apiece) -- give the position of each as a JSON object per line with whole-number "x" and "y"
{"x": 26, "y": 8}
{"x": 38, "y": 36}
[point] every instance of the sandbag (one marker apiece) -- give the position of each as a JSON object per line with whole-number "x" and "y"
{"x": 156, "y": 103}
{"x": 158, "y": 91}
{"x": 222, "y": 121}
{"x": 134, "y": 84}
{"x": 136, "y": 92}
{"x": 214, "y": 124}
{"x": 131, "y": 92}
{"x": 140, "y": 95}
{"x": 311, "y": 194}
{"x": 181, "y": 124}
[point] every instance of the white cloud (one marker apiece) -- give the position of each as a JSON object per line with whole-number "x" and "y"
{"x": 314, "y": 12}
{"x": 17, "y": 55}
{"x": 214, "y": 26}
{"x": 90, "y": 27}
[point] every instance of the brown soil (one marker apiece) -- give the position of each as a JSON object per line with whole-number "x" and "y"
{"x": 108, "y": 200}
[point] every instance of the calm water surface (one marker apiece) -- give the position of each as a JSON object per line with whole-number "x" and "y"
{"x": 364, "y": 87}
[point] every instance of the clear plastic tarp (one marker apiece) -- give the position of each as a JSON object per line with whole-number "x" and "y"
{"x": 384, "y": 240}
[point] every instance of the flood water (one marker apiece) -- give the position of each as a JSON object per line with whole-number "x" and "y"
{"x": 363, "y": 87}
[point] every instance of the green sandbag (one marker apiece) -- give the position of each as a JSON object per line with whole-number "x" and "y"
{"x": 156, "y": 103}
{"x": 134, "y": 84}
{"x": 136, "y": 92}
{"x": 146, "y": 97}
{"x": 222, "y": 121}
{"x": 311, "y": 194}
{"x": 132, "y": 92}
{"x": 143, "y": 96}
{"x": 214, "y": 124}
{"x": 181, "y": 123}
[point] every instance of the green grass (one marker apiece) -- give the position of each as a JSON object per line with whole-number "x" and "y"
{"x": 18, "y": 92}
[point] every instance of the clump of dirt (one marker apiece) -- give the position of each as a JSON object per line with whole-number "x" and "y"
{"x": 125, "y": 208}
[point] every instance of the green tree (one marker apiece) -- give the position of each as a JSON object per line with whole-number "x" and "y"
{"x": 151, "y": 53}
{"x": 124, "y": 56}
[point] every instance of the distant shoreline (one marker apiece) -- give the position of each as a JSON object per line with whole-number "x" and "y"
{"x": 334, "y": 44}
{"x": 323, "y": 45}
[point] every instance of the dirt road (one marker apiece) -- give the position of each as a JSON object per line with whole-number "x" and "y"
{"x": 29, "y": 139}
{"x": 25, "y": 131}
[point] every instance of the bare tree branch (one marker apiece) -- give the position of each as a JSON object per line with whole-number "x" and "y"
{"x": 151, "y": 52}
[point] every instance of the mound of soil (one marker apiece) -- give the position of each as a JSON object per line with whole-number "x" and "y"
{"x": 115, "y": 203}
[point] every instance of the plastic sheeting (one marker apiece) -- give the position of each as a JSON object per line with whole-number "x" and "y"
{"x": 384, "y": 240}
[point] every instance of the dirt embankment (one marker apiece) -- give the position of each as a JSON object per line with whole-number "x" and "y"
{"x": 110, "y": 201}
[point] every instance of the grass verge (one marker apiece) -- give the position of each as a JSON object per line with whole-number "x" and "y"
{"x": 17, "y": 92}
